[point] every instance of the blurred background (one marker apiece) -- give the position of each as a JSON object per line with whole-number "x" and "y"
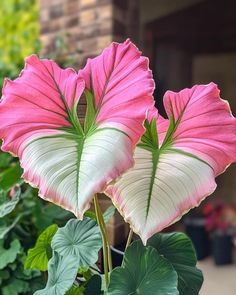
{"x": 187, "y": 42}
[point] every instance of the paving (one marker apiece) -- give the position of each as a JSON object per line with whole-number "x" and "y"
{"x": 218, "y": 280}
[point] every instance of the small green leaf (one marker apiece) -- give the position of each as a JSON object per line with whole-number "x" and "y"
{"x": 75, "y": 291}
{"x": 9, "y": 255}
{"x": 15, "y": 287}
{"x": 149, "y": 139}
{"x": 62, "y": 271}
{"x": 38, "y": 256}
{"x": 90, "y": 214}
{"x": 4, "y": 229}
{"x": 10, "y": 177}
{"x": 144, "y": 272}
{"x": 177, "y": 248}
{"x": 9, "y": 205}
{"x": 109, "y": 213}
{"x": 90, "y": 111}
{"x": 5, "y": 160}
{"x": 4, "y": 275}
{"x": 81, "y": 239}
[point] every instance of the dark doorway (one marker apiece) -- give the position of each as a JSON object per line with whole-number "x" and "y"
{"x": 208, "y": 27}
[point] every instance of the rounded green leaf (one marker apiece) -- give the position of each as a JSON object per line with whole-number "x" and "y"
{"x": 9, "y": 205}
{"x": 81, "y": 239}
{"x": 9, "y": 255}
{"x": 144, "y": 272}
{"x": 178, "y": 249}
{"x": 62, "y": 271}
{"x": 37, "y": 257}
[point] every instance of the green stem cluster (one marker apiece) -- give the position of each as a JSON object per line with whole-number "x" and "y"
{"x": 107, "y": 260}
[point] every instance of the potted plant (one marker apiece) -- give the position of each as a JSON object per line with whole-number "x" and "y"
{"x": 153, "y": 169}
{"x": 221, "y": 224}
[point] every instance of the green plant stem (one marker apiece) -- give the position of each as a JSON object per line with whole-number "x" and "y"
{"x": 109, "y": 258}
{"x": 107, "y": 262}
{"x": 129, "y": 240}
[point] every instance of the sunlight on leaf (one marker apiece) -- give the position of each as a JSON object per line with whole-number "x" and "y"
{"x": 38, "y": 256}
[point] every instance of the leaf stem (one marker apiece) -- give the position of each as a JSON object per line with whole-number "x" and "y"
{"x": 129, "y": 240}
{"x": 107, "y": 261}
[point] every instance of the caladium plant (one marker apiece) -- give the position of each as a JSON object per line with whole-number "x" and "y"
{"x": 153, "y": 169}
{"x": 177, "y": 160}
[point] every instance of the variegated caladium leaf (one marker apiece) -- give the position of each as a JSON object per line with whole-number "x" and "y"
{"x": 39, "y": 123}
{"x": 177, "y": 160}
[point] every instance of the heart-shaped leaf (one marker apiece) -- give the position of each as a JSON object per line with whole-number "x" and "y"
{"x": 144, "y": 272}
{"x": 79, "y": 239}
{"x": 40, "y": 125}
{"x": 177, "y": 160}
{"x": 177, "y": 248}
{"x": 62, "y": 272}
{"x": 38, "y": 256}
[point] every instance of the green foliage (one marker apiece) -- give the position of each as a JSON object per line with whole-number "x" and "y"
{"x": 21, "y": 226}
{"x": 108, "y": 214}
{"x": 9, "y": 255}
{"x": 61, "y": 275}
{"x": 75, "y": 291}
{"x": 81, "y": 239}
{"x": 144, "y": 272}
{"x": 8, "y": 205}
{"x": 19, "y": 31}
{"x": 90, "y": 112}
{"x": 177, "y": 248}
{"x": 5, "y": 160}
{"x": 37, "y": 257}
{"x": 75, "y": 246}
{"x": 11, "y": 176}
{"x": 94, "y": 286}
{"x": 15, "y": 287}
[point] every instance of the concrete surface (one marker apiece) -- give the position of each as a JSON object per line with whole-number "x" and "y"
{"x": 218, "y": 280}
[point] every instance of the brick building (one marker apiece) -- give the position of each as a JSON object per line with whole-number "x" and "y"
{"x": 187, "y": 41}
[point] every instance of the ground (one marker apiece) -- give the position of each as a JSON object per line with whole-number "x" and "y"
{"x": 218, "y": 280}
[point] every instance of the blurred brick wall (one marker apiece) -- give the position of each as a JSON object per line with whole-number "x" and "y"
{"x": 88, "y": 27}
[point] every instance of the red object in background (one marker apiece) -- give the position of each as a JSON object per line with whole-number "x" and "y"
{"x": 219, "y": 216}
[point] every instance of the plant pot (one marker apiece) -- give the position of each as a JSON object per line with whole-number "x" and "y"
{"x": 222, "y": 249}
{"x": 117, "y": 254}
{"x": 195, "y": 229}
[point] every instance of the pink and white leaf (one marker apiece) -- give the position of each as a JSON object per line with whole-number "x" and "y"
{"x": 168, "y": 181}
{"x": 122, "y": 86}
{"x": 39, "y": 124}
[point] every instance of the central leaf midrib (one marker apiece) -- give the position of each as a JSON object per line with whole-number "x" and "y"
{"x": 80, "y": 146}
{"x": 155, "y": 159}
